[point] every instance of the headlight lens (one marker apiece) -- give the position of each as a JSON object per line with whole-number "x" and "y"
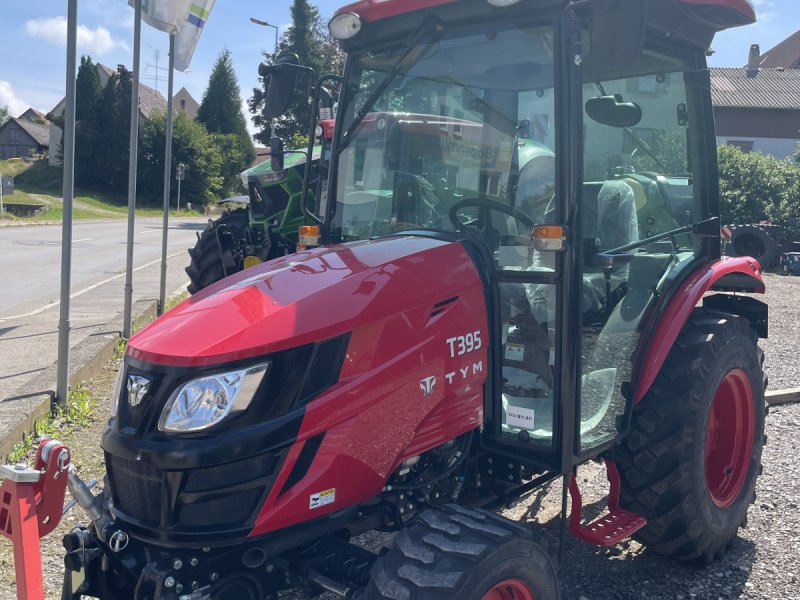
{"x": 203, "y": 403}
{"x": 345, "y": 26}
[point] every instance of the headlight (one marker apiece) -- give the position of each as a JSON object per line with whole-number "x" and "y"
{"x": 203, "y": 403}
{"x": 345, "y": 26}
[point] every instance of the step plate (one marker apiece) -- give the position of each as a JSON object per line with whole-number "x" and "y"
{"x": 611, "y": 528}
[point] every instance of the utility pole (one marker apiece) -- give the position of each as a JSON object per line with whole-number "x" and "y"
{"x": 68, "y": 190}
{"x": 132, "y": 169}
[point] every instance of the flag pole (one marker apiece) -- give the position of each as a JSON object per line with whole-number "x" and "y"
{"x": 132, "y": 169}
{"x": 167, "y": 172}
{"x": 68, "y": 189}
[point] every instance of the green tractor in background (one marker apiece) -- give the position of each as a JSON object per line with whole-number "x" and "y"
{"x": 281, "y": 192}
{"x": 266, "y": 228}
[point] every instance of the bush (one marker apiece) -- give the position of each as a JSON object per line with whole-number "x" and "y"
{"x": 754, "y": 187}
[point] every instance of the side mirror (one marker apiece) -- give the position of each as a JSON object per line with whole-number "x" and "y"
{"x": 611, "y": 110}
{"x": 282, "y": 77}
{"x": 276, "y": 154}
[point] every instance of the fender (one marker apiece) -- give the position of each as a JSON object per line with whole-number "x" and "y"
{"x": 741, "y": 274}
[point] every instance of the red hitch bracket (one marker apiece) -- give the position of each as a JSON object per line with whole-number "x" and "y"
{"x": 31, "y": 504}
{"x": 611, "y": 528}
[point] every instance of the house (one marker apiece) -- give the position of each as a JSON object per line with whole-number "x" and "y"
{"x": 757, "y": 108}
{"x": 20, "y": 137}
{"x": 151, "y": 103}
{"x": 34, "y": 116}
{"x": 786, "y": 54}
{"x": 184, "y": 101}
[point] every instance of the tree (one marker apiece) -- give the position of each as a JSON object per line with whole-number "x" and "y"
{"x": 110, "y": 163}
{"x": 221, "y": 113}
{"x": 89, "y": 95}
{"x": 3, "y": 114}
{"x": 307, "y": 38}
{"x": 191, "y": 145}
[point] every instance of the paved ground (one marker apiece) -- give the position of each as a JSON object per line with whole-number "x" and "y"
{"x": 30, "y": 292}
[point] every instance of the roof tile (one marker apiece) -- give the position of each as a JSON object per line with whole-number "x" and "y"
{"x": 765, "y": 88}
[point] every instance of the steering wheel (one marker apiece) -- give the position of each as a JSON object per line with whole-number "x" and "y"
{"x": 491, "y": 205}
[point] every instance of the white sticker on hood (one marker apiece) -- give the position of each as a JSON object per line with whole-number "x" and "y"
{"x": 321, "y": 499}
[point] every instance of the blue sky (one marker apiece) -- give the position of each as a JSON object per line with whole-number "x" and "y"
{"x": 33, "y": 34}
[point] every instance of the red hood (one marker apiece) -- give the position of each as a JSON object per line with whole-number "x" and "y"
{"x": 303, "y": 298}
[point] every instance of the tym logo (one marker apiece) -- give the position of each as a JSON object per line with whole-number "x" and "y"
{"x": 427, "y": 385}
{"x": 465, "y": 372}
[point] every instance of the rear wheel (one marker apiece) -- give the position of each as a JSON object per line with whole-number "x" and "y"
{"x": 691, "y": 460}
{"x": 464, "y": 554}
{"x": 216, "y": 255}
{"x": 755, "y": 241}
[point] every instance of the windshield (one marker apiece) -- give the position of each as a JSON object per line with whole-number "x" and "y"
{"x": 466, "y": 116}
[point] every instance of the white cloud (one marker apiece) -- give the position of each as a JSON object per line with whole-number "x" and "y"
{"x": 54, "y": 30}
{"x": 765, "y": 10}
{"x": 16, "y": 106}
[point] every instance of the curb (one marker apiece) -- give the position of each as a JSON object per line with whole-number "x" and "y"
{"x": 19, "y": 414}
{"x": 779, "y": 397}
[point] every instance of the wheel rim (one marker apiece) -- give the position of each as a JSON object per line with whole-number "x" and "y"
{"x": 729, "y": 438}
{"x": 510, "y": 589}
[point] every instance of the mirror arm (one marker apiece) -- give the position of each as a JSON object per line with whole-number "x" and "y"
{"x": 316, "y": 92}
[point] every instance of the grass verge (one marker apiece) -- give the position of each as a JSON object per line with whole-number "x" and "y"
{"x": 77, "y": 412}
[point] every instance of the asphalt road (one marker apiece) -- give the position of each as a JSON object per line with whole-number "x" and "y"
{"x": 30, "y": 280}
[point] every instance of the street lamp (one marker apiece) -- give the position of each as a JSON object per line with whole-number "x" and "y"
{"x": 275, "y": 27}
{"x": 265, "y": 24}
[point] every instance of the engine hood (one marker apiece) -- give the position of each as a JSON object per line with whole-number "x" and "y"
{"x": 304, "y": 298}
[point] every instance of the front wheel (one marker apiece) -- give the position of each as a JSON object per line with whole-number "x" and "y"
{"x": 457, "y": 553}
{"x": 692, "y": 457}
{"x": 218, "y": 251}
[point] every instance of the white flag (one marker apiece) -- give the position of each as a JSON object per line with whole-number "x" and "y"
{"x": 166, "y": 15}
{"x": 184, "y": 18}
{"x": 189, "y": 32}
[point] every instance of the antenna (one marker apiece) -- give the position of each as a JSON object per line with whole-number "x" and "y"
{"x": 156, "y": 68}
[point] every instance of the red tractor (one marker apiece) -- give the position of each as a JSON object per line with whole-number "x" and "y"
{"x": 519, "y": 272}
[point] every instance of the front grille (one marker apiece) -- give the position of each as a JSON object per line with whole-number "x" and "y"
{"x": 136, "y": 487}
{"x": 249, "y": 469}
{"x": 209, "y": 497}
{"x": 222, "y": 511}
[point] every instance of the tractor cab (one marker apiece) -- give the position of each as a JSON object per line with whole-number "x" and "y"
{"x": 574, "y": 163}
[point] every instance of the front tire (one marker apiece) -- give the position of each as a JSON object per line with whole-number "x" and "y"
{"x": 457, "y": 553}
{"x": 215, "y": 253}
{"x": 693, "y": 455}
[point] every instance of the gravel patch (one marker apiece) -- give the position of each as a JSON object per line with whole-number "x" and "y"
{"x": 762, "y": 563}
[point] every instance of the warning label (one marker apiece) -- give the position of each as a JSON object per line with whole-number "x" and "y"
{"x": 322, "y": 498}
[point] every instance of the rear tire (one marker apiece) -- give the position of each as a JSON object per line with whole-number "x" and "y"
{"x": 212, "y": 260}
{"x": 755, "y": 241}
{"x": 463, "y": 554}
{"x": 683, "y": 464}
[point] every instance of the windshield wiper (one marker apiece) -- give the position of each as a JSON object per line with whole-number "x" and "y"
{"x": 705, "y": 228}
{"x": 431, "y": 23}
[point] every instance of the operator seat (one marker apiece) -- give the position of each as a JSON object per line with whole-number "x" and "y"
{"x": 616, "y": 226}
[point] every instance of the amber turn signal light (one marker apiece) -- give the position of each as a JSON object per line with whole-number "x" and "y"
{"x": 549, "y": 238}
{"x": 308, "y": 237}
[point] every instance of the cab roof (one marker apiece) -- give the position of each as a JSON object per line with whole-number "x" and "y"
{"x": 720, "y": 14}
